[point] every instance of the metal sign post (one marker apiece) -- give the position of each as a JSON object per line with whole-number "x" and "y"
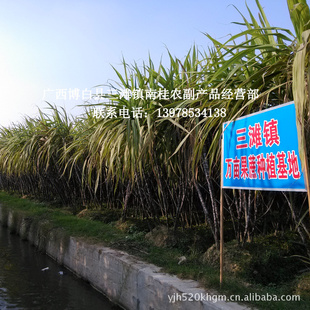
{"x": 221, "y": 229}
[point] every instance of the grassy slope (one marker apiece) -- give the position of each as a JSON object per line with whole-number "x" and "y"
{"x": 135, "y": 243}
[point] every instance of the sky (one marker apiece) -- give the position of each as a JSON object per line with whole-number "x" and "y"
{"x": 58, "y": 51}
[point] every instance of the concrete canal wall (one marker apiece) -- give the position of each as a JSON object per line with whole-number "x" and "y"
{"x": 127, "y": 281}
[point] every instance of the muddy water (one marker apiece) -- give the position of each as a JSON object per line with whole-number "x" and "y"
{"x": 24, "y": 285}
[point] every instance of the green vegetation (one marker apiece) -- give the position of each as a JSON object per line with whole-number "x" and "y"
{"x": 264, "y": 257}
{"x": 165, "y": 171}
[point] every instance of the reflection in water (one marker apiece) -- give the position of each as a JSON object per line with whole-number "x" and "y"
{"x": 23, "y": 284}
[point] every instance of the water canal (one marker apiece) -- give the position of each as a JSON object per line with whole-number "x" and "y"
{"x": 23, "y": 284}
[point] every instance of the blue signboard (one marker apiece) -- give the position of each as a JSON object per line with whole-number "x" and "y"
{"x": 260, "y": 151}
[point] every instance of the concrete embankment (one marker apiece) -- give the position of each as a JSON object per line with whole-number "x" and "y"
{"x": 127, "y": 281}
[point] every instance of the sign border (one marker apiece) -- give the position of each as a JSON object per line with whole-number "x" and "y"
{"x": 257, "y": 188}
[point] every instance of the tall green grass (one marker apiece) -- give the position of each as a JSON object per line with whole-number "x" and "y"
{"x": 153, "y": 167}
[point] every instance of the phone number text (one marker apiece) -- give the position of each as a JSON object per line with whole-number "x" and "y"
{"x": 191, "y": 112}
